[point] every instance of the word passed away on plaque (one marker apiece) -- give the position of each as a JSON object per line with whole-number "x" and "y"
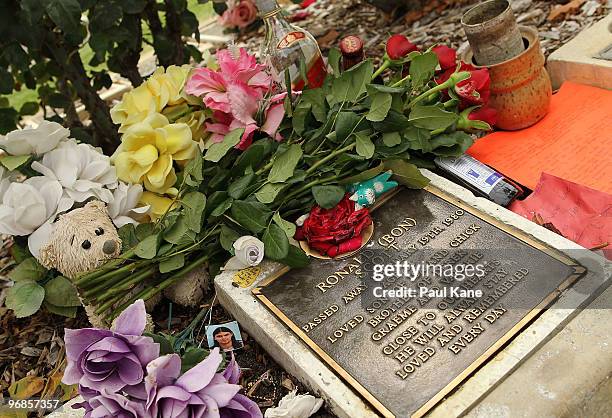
{"x": 437, "y": 290}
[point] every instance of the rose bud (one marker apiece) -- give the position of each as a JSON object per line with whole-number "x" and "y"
{"x": 398, "y": 46}
{"x": 447, "y": 57}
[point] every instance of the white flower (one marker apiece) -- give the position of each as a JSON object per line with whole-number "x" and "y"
{"x": 6, "y": 177}
{"x": 81, "y": 169}
{"x": 123, "y": 209}
{"x": 295, "y": 406}
{"x": 38, "y": 141}
{"x": 26, "y": 206}
{"x": 249, "y": 253}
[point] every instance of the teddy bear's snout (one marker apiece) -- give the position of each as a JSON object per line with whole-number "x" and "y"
{"x": 109, "y": 247}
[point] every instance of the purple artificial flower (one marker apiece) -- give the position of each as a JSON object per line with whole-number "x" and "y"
{"x": 108, "y": 404}
{"x": 240, "y": 406}
{"x": 199, "y": 393}
{"x": 111, "y": 360}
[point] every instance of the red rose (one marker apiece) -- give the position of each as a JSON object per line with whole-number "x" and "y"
{"x": 334, "y": 231}
{"x": 474, "y": 91}
{"x": 398, "y": 46}
{"x": 447, "y": 57}
{"x": 485, "y": 114}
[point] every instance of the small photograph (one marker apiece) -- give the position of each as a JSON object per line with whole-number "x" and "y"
{"x": 225, "y": 336}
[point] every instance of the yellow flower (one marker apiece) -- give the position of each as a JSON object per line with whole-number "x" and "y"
{"x": 158, "y": 204}
{"x": 148, "y": 151}
{"x": 161, "y": 89}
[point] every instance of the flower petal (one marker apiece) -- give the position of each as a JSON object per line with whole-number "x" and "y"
{"x": 132, "y": 320}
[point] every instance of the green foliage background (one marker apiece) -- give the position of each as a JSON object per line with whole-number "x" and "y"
{"x": 55, "y": 52}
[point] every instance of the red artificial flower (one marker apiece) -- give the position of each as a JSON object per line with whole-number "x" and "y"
{"x": 447, "y": 57}
{"x": 335, "y": 231}
{"x": 398, "y": 46}
{"x": 485, "y": 114}
{"x": 306, "y": 3}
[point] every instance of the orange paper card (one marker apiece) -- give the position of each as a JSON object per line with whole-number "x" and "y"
{"x": 573, "y": 142}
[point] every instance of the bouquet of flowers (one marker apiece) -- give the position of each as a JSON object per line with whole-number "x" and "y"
{"x": 123, "y": 372}
{"x": 216, "y": 153}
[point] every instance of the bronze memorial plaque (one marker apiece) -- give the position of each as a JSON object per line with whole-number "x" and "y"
{"x": 405, "y": 319}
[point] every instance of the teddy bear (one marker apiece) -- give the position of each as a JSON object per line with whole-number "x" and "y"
{"x": 85, "y": 238}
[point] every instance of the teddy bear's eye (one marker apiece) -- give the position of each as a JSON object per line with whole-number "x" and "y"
{"x": 86, "y": 245}
{"x": 99, "y": 231}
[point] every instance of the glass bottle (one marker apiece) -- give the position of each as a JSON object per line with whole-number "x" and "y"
{"x": 285, "y": 46}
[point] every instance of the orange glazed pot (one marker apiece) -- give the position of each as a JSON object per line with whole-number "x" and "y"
{"x": 520, "y": 86}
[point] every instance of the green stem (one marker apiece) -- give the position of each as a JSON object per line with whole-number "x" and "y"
{"x": 125, "y": 286}
{"x": 152, "y": 291}
{"x": 329, "y": 157}
{"x": 400, "y": 82}
{"x": 382, "y": 68}
{"x": 102, "y": 279}
{"x": 421, "y": 96}
{"x": 110, "y": 265}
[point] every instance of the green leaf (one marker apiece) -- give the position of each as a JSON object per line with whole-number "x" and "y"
{"x": 127, "y": 235}
{"x": 394, "y": 122}
{"x": 61, "y": 292}
{"x": 67, "y": 311}
{"x": 418, "y": 138}
{"x": 286, "y": 226}
{"x": 144, "y": 230}
{"x": 20, "y": 252}
{"x": 392, "y": 139}
{"x": 352, "y": 83}
{"x": 381, "y": 103}
{"x": 227, "y": 238}
{"x": 193, "y": 171}
{"x": 365, "y": 175}
{"x": 25, "y": 298}
{"x": 58, "y": 101}
{"x": 269, "y": 191}
{"x": 406, "y": 174}
{"x": 240, "y": 187}
{"x": 147, "y": 248}
{"x": 253, "y": 216}
{"x": 296, "y": 258}
{"x": 193, "y": 355}
{"x": 365, "y": 146}
{"x": 13, "y": 162}
{"x": 165, "y": 346}
{"x": 194, "y": 204}
{"x": 172, "y": 263}
{"x": 66, "y": 14}
{"x": 176, "y": 233}
{"x": 252, "y": 156}
{"x": 222, "y": 207}
{"x": 285, "y": 164}
{"x": 333, "y": 59}
{"x": 133, "y": 6}
{"x": 328, "y": 196}
{"x": 345, "y": 124}
{"x": 316, "y": 99}
{"x": 451, "y": 145}
{"x": 29, "y": 269}
{"x": 422, "y": 68}
{"x": 432, "y": 117}
{"x": 29, "y": 108}
{"x": 218, "y": 150}
{"x": 276, "y": 244}
{"x": 300, "y": 116}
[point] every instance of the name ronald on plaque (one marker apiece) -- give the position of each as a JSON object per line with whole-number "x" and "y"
{"x": 439, "y": 288}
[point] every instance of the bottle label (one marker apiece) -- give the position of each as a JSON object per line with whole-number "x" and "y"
{"x": 316, "y": 75}
{"x": 289, "y": 39}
